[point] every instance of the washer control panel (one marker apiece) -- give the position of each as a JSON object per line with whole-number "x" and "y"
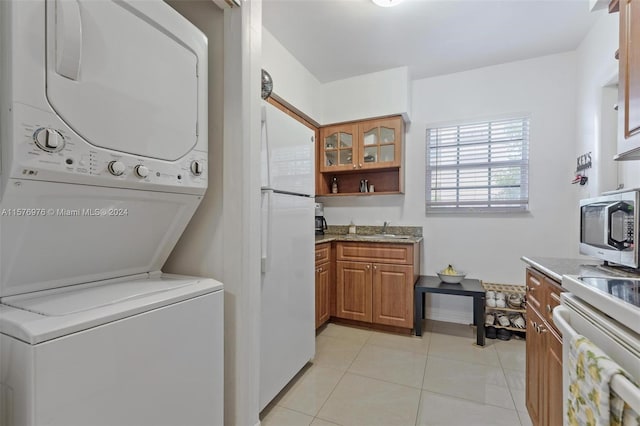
{"x": 116, "y": 168}
{"x": 48, "y": 139}
{"x": 46, "y": 149}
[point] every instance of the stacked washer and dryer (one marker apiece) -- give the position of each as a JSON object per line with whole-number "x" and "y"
{"x": 103, "y": 122}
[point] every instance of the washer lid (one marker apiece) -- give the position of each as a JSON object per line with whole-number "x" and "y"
{"x": 71, "y": 300}
{"x": 45, "y": 315}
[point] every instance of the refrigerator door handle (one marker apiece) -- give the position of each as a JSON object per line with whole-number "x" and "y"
{"x": 265, "y": 240}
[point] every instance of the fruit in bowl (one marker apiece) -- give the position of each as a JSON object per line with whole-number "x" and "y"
{"x": 450, "y": 275}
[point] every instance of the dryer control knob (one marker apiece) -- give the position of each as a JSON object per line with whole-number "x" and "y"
{"x": 49, "y": 140}
{"x": 141, "y": 171}
{"x": 116, "y": 168}
{"x": 196, "y": 167}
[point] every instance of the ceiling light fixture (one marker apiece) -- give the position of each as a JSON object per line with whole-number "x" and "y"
{"x": 386, "y": 3}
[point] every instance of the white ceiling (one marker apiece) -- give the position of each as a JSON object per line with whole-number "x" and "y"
{"x": 336, "y": 39}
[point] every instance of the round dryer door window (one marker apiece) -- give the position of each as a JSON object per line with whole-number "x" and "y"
{"x": 122, "y": 78}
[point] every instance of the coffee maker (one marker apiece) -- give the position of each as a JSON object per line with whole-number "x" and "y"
{"x": 321, "y": 224}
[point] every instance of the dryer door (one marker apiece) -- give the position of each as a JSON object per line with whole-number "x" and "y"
{"x": 124, "y": 75}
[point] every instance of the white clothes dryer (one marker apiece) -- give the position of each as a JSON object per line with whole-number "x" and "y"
{"x": 103, "y": 132}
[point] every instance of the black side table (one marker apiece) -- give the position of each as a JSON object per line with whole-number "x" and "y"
{"x": 468, "y": 287}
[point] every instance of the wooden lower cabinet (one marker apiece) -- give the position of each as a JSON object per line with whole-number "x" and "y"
{"x": 553, "y": 361}
{"x": 353, "y": 291}
{"x": 324, "y": 283}
{"x": 380, "y": 290}
{"x": 543, "y": 351}
{"x": 323, "y": 293}
{"x": 392, "y": 303}
{"x": 534, "y": 360}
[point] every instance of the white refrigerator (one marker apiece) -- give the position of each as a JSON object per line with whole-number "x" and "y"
{"x": 288, "y": 240}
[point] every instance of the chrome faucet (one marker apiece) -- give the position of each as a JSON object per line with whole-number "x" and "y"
{"x": 384, "y": 227}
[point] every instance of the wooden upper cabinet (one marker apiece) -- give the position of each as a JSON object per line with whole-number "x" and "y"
{"x": 338, "y": 148}
{"x": 381, "y": 143}
{"x": 363, "y": 145}
{"x": 629, "y": 81}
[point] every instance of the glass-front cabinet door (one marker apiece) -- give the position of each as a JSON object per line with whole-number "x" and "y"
{"x": 339, "y": 148}
{"x": 381, "y": 143}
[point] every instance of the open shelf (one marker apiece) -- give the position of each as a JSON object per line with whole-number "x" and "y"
{"x": 519, "y": 310}
{"x": 506, "y": 289}
{"x": 386, "y": 181}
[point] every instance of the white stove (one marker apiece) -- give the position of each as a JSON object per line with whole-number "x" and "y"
{"x": 617, "y": 297}
{"x": 606, "y": 311}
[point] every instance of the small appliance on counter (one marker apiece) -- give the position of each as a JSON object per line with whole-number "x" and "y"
{"x": 321, "y": 223}
{"x": 608, "y": 228}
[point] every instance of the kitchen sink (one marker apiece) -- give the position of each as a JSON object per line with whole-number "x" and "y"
{"x": 385, "y": 237}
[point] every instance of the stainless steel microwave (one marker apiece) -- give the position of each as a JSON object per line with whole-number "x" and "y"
{"x": 609, "y": 227}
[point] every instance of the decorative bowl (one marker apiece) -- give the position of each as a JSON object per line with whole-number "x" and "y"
{"x": 452, "y": 279}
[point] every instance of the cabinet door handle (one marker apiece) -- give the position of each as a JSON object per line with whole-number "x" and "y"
{"x": 360, "y": 165}
{"x": 368, "y": 267}
{"x": 530, "y": 289}
{"x": 375, "y": 267}
{"x": 355, "y": 165}
{"x": 320, "y": 269}
{"x": 549, "y": 308}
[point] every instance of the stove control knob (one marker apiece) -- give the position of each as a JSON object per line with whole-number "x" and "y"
{"x": 116, "y": 168}
{"x": 141, "y": 171}
{"x": 49, "y": 140}
{"x": 197, "y": 167}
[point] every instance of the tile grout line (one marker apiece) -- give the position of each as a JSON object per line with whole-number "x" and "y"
{"x": 513, "y": 400}
{"x": 340, "y": 380}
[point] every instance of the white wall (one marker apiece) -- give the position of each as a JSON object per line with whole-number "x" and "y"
{"x": 291, "y": 80}
{"x": 220, "y": 240}
{"x": 487, "y": 246}
{"x": 597, "y": 68}
{"x": 596, "y": 122}
{"x": 371, "y": 95}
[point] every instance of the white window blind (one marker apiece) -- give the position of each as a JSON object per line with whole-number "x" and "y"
{"x": 478, "y": 167}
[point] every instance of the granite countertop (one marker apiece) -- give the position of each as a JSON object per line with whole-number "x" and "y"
{"x": 557, "y": 267}
{"x": 364, "y": 238}
{"x": 365, "y": 233}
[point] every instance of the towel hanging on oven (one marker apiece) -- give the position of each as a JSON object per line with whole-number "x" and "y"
{"x": 591, "y": 400}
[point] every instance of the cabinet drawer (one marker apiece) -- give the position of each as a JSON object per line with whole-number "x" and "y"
{"x": 553, "y": 290}
{"x": 535, "y": 290}
{"x": 401, "y": 254}
{"x": 323, "y": 251}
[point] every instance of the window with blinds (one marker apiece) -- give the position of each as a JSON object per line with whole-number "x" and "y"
{"x": 478, "y": 167}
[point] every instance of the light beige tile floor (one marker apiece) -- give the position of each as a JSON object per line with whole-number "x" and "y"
{"x": 361, "y": 377}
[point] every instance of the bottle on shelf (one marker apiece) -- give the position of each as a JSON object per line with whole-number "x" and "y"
{"x": 334, "y": 185}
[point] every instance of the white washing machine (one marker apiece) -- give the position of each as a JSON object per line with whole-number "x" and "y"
{"x": 103, "y": 132}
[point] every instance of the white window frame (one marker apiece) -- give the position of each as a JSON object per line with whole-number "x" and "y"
{"x": 520, "y": 205}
